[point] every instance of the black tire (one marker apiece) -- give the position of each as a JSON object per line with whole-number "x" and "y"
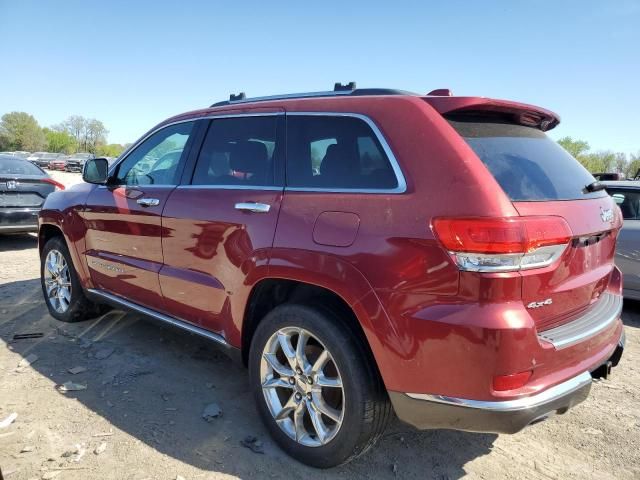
{"x": 367, "y": 409}
{"x": 80, "y": 307}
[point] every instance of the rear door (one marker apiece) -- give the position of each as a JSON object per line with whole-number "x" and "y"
{"x": 218, "y": 227}
{"x": 124, "y": 227}
{"x": 543, "y": 179}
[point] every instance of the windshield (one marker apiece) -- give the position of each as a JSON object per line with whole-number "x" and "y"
{"x": 527, "y": 164}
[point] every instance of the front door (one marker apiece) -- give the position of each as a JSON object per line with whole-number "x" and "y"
{"x": 219, "y": 228}
{"x": 124, "y": 219}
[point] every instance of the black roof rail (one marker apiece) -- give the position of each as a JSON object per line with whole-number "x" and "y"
{"x": 339, "y": 89}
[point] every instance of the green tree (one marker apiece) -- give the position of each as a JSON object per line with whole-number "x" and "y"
{"x": 20, "y": 131}
{"x": 577, "y": 148}
{"x": 110, "y": 150}
{"x": 59, "y": 141}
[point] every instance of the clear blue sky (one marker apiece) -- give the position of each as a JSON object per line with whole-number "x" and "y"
{"x": 133, "y": 63}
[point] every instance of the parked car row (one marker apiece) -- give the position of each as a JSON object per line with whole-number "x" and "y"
{"x": 54, "y": 161}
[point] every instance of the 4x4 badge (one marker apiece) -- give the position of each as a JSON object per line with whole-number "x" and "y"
{"x": 548, "y": 301}
{"x": 606, "y": 215}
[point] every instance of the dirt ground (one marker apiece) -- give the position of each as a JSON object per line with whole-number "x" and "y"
{"x": 147, "y": 385}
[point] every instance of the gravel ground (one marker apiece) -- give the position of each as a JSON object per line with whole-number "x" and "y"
{"x": 146, "y": 387}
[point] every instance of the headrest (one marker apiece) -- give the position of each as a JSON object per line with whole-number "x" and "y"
{"x": 338, "y": 160}
{"x": 248, "y": 157}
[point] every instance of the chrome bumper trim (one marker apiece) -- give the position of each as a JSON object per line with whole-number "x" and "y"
{"x": 602, "y": 314}
{"x": 532, "y": 401}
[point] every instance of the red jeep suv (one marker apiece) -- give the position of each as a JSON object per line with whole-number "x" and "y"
{"x": 363, "y": 252}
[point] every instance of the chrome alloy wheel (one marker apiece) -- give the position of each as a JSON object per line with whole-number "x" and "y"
{"x": 302, "y": 387}
{"x": 57, "y": 280}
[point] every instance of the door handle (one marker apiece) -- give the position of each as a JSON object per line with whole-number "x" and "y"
{"x": 148, "y": 202}
{"x": 253, "y": 207}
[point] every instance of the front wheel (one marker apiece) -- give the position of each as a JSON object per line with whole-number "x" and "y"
{"x": 61, "y": 287}
{"x": 316, "y": 388}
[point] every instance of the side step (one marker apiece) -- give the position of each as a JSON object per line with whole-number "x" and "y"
{"x": 120, "y": 303}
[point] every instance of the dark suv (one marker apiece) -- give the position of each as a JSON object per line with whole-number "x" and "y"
{"x": 363, "y": 251}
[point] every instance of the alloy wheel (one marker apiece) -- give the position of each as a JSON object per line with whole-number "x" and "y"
{"x": 57, "y": 279}
{"x": 302, "y": 386}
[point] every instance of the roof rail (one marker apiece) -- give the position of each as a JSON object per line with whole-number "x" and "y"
{"x": 339, "y": 89}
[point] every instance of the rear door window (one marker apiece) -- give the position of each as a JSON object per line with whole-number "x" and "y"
{"x": 527, "y": 164}
{"x": 238, "y": 151}
{"x": 336, "y": 152}
{"x": 628, "y": 200}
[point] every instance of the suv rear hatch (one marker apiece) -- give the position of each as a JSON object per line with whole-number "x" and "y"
{"x": 544, "y": 181}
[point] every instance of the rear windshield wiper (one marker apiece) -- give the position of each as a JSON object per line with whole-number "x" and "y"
{"x": 594, "y": 187}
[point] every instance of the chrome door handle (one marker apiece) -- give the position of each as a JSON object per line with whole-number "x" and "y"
{"x": 148, "y": 202}
{"x": 253, "y": 207}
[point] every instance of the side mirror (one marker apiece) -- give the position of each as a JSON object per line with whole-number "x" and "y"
{"x": 96, "y": 170}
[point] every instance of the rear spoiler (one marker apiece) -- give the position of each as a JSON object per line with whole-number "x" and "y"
{"x": 519, "y": 113}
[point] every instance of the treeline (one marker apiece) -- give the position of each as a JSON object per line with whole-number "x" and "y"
{"x": 602, "y": 161}
{"x": 21, "y": 131}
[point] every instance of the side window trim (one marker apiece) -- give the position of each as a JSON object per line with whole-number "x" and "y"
{"x": 397, "y": 170}
{"x": 186, "y": 153}
{"x": 278, "y": 164}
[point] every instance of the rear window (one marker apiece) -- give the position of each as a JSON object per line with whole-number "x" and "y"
{"x": 527, "y": 164}
{"x": 10, "y": 166}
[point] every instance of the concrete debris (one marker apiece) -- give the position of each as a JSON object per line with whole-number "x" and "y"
{"x": 50, "y": 475}
{"x": 9, "y": 420}
{"x": 211, "y": 411}
{"x": 71, "y": 387}
{"x": 27, "y": 449}
{"x": 591, "y": 431}
{"x": 77, "y": 370}
{"x": 253, "y": 444}
{"x": 100, "y": 448}
{"x": 104, "y": 353}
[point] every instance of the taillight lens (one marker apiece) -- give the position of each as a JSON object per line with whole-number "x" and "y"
{"x": 503, "y": 244}
{"x": 58, "y": 185}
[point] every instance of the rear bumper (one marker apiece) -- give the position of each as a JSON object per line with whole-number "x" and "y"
{"x": 425, "y": 411}
{"x": 18, "y": 220}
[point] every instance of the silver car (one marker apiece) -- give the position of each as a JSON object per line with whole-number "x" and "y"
{"x": 626, "y": 194}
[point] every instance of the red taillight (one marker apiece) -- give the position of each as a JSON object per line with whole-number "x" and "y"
{"x": 502, "y": 383}
{"x": 501, "y": 235}
{"x": 58, "y": 185}
{"x": 483, "y": 244}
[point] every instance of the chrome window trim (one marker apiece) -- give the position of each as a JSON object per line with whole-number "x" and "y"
{"x": 270, "y": 188}
{"x": 532, "y": 401}
{"x": 402, "y": 184}
{"x": 395, "y": 166}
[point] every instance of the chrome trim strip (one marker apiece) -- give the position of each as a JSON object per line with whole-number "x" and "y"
{"x": 402, "y": 183}
{"x": 231, "y": 187}
{"x": 536, "y": 400}
{"x": 400, "y": 178}
{"x": 606, "y": 310}
{"x": 161, "y": 317}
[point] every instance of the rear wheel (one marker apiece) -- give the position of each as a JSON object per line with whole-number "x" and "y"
{"x": 61, "y": 287}
{"x": 315, "y": 387}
